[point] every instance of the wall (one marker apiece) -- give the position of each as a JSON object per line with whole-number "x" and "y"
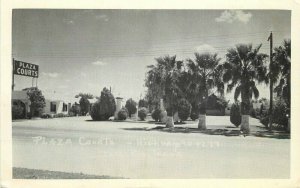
{"x": 59, "y": 107}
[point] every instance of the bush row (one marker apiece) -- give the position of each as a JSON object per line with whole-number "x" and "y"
{"x": 59, "y": 115}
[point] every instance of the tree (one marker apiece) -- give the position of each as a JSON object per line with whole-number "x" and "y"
{"x": 282, "y": 62}
{"x": 152, "y": 82}
{"x": 162, "y": 81}
{"x": 105, "y": 107}
{"x": 37, "y": 101}
{"x": 206, "y": 74}
{"x": 75, "y": 109}
{"x": 244, "y": 67}
{"x": 143, "y": 103}
{"x": 84, "y": 102}
{"x": 131, "y": 107}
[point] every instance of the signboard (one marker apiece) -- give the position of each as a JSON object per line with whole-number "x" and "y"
{"x": 26, "y": 69}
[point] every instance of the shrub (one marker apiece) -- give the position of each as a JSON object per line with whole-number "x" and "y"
{"x": 194, "y": 113}
{"x": 95, "y": 112}
{"x": 17, "y": 111}
{"x": 184, "y": 109}
{"x": 280, "y": 121}
{"x": 123, "y": 114}
{"x": 104, "y": 107}
{"x": 156, "y": 114}
{"x": 279, "y": 114}
{"x": 194, "y": 116}
{"x": 235, "y": 114}
{"x": 75, "y": 109}
{"x": 59, "y": 115}
{"x": 71, "y": 114}
{"x": 142, "y": 113}
{"x": 46, "y": 116}
{"x": 131, "y": 106}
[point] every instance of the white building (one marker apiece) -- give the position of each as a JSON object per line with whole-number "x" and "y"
{"x": 56, "y": 107}
{"x": 51, "y": 107}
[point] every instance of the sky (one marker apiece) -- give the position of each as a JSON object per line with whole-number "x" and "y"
{"x": 87, "y": 50}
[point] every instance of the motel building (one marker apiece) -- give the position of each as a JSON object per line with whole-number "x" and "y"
{"x": 51, "y": 107}
{"x": 56, "y": 107}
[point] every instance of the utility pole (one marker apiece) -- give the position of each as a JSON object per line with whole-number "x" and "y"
{"x": 13, "y": 76}
{"x": 271, "y": 82}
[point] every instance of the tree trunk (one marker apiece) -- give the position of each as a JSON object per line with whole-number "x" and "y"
{"x": 245, "y": 107}
{"x": 245, "y": 128}
{"x": 202, "y": 122}
{"x": 169, "y": 122}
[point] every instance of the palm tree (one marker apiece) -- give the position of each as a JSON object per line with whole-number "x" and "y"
{"x": 163, "y": 77}
{"x": 244, "y": 67}
{"x": 282, "y": 61}
{"x": 206, "y": 73}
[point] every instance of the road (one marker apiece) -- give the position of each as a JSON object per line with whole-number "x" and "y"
{"x": 123, "y": 149}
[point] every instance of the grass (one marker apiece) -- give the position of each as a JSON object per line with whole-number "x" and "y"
{"x": 25, "y": 173}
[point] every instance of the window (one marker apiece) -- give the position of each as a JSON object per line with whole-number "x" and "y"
{"x": 53, "y": 107}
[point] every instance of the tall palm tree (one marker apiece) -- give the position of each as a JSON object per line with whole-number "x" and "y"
{"x": 206, "y": 73}
{"x": 282, "y": 61}
{"x": 244, "y": 67}
{"x": 163, "y": 77}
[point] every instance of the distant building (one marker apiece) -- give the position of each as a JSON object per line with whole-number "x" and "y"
{"x": 56, "y": 107}
{"x": 51, "y": 107}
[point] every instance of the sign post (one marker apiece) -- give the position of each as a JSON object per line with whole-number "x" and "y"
{"x": 13, "y": 75}
{"x": 25, "y": 69}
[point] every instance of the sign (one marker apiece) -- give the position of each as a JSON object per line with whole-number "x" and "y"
{"x": 26, "y": 69}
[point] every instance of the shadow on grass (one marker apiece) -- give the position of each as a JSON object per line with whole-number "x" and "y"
{"x": 223, "y": 132}
{"x": 128, "y": 121}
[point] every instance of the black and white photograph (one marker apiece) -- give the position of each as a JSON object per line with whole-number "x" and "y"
{"x": 99, "y": 94}
{"x": 150, "y": 94}
{"x": 147, "y": 94}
